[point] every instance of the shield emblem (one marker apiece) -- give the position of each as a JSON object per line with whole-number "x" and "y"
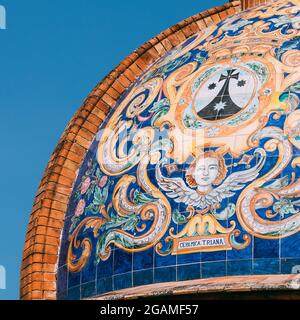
{"x": 224, "y": 94}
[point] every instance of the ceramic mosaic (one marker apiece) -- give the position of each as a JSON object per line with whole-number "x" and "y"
{"x": 196, "y": 172}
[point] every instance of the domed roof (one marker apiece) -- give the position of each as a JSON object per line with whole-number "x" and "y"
{"x": 194, "y": 174}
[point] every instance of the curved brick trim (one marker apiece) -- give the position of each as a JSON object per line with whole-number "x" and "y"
{"x": 214, "y": 285}
{"x": 246, "y": 4}
{"x": 41, "y": 249}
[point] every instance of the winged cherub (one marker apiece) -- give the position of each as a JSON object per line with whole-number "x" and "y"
{"x": 207, "y": 186}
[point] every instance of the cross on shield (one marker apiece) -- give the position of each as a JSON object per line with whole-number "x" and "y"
{"x": 222, "y": 106}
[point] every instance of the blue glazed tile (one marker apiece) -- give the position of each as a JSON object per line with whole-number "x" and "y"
{"x": 88, "y": 289}
{"x": 213, "y": 269}
{"x": 88, "y": 273}
{"x": 64, "y": 249}
{"x": 296, "y": 152}
{"x": 290, "y": 266}
{"x": 239, "y": 267}
{"x": 105, "y": 268}
{"x": 122, "y": 281}
{"x": 74, "y": 279}
{"x": 189, "y": 258}
{"x": 266, "y": 248}
{"x": 141, "y": 278}
{"x": 143, "y": 260}
{"x": 93, "y": 147}
{"x": 189, "y": 272}
{"x": 122, "y": 261}
{"x": 213, "y": 256}
{"x": 161, "y": 261}
{"x": 74, "y": 293}
{"x": 167, "y": 274}
{"x": 243, "y": 254}
{"x": 104, "y": 285}
{"x": 151, "y": 174}
{"x": 63, "y": 295}
{"x": 290, "y": 247}
{"x": 266, "y": 266}
{"x": 71, "y": 209}
{"x": 62, "y": 279}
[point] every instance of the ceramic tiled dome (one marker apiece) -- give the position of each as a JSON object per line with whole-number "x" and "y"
{"x": 192, "y": 178}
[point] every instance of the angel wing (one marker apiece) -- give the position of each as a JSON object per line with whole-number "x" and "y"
{"x": 176, "y": 189}
{"x": 237, "y": 180}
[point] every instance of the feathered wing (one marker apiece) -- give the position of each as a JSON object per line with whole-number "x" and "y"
{"x": 176, "y": 189}
{"x": 237, "y": 180}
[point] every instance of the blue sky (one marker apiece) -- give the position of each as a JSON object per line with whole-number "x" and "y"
{"x": 51, "y": 56}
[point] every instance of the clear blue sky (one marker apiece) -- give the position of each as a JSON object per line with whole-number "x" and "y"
{"x": 51, "y": 56}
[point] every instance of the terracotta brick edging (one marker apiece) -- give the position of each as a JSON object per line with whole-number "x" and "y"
{"x": 42, "y": 244}
{"x": 246, "y": 4}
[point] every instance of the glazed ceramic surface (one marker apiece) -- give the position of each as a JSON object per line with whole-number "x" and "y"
{"x": 196, "y": 171}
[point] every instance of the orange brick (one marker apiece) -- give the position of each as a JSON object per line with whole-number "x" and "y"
{"x": 27, "y": 296}
{"x": 174, "y": 40}
{"x": 194, "y": 27}
{"x": 129, "y": 75}
{"x": 208, "y": 21}
{"x": 50, "y": 295}
{"x": 142, "y": 64}
{"x": 83, "y": 142}
{"x": 223, "y": 14}
{"x": 136, "y": 70}
{"x": 160, "y": 48}
{"x": 49, "y": 267}
{"x": 49, "y": 276}
{"x": 118, "y": 87}
{"x": 148, "y": 57}
{"x": 49, "y": 286}
{"x": 216, "y": 18}
{"x": 109, "y": 100}
{"x": 99, "y": 113}
{"x": 36, "y": 295}
{"x": 181, "y": 36}
{"x": 53, "y": 232}
{"x": 187, "y": 30}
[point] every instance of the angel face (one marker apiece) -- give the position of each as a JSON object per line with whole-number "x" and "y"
{"x": 206, "y": 170}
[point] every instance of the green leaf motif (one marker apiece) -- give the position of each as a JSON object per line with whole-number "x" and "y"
{"x": 104, "y": 194}
{"x": 140, "y": 198}
{"x": 178, "y": 217}
{"x": 125, "y": 223}
{"x": 159, "y": 109}
{"x": 98, "y": 174}
{"x": 92, "y": 208}
{"x": 75, "y": 221}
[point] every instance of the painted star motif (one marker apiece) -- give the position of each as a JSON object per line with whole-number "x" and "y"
{"x": 220, "y": 106}
{"x": 212, "y": 86}
{"x": 241, "y": 83}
